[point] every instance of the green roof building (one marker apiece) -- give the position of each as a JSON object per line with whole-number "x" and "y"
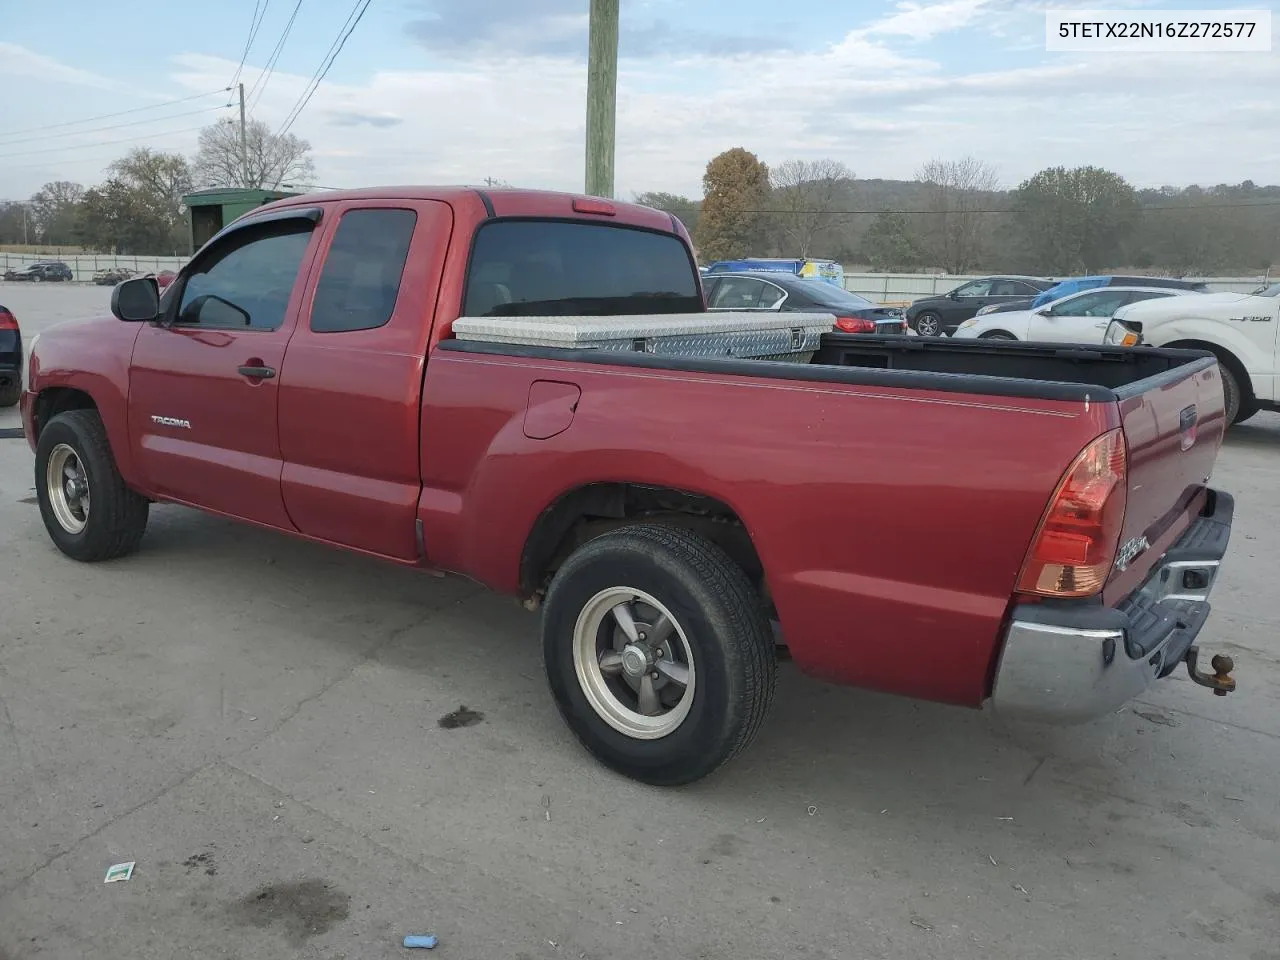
{"x": 210, "y": 210}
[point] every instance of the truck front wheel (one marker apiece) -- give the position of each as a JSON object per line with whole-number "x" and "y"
{"x": 658, "y": 653}
{"x": 89, "y": 512}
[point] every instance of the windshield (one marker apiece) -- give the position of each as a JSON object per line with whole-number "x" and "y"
{"x": 829, "y": 295}
{"x": 1265, "y": 291}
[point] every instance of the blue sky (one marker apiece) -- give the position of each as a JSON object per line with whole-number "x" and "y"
{"x": 460, "y": 90}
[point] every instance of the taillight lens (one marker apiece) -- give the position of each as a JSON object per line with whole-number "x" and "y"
{"x": 7, "y": 320}
{"x": 1075, "y": 545}
{"x": 855, "y": 325}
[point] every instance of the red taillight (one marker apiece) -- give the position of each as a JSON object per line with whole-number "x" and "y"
{"x": 1075, "y": 545}
{"x": 7, "y": 320}
{"x": 855, "y": 325}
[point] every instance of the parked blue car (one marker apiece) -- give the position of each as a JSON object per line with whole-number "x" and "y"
{"x": 1076, "y": 284}
{"x": 1072, "y": 285}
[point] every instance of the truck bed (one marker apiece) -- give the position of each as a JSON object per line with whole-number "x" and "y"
{"x": 1032, "y": 370}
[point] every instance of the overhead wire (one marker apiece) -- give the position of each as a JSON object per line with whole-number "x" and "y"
{"x": 99, "y": 143}
{"x": 264, "y": 76}
{"x": 114, "y": 126}
{"x": 352, "y": 21}
{"x": 255, "y": 24}
{"x": 108, "y": 116}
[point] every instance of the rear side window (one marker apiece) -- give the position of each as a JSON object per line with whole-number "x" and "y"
{"x": 361, "y": 277}
{"x": 529, "y": 268}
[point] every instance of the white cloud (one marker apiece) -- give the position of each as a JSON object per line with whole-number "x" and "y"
{"x": 17, "y": 61}
{"x": 868, "y": 99}
{"x": 918, "y": 21}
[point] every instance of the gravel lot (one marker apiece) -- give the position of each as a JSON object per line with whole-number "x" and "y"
{"x": 255, "y": 722}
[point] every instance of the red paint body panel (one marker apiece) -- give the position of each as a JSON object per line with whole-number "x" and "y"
{"x": 91, "y": 356}
{"x": 1167, "y": 474}
{"x": 350, "y": 402}
{"x": 892, "y": 523}
{"x": 891, "y": 553}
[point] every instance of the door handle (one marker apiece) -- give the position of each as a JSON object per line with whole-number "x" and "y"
{"x": 257, "y": 372}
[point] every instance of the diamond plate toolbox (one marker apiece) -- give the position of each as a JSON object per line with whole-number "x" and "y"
{"x": 757, "y": 336}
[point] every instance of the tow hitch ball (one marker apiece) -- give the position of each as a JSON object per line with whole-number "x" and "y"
{"x": 1220, "y": 681}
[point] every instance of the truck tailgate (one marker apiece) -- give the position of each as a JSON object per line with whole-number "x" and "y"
{"x": 1173, "y": 425}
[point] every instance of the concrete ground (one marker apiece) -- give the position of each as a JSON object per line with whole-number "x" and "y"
{"x": 255, "y": 722}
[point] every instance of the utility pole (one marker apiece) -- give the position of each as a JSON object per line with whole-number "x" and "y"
{"x": 602, "y": 96}
{"x": 244, "y": 144}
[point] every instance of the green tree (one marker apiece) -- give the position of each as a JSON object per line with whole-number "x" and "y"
{"x": 735, "y": 190}
{"x": 1076, "y": 220}
{"x": 55, "y": 207}
{"x": 890, "y": 243}
{"x": 139, "y": 208}
{"x": 685, "y": 209}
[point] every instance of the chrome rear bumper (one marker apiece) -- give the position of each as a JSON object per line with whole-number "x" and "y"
{"x": 1072, "y": 663}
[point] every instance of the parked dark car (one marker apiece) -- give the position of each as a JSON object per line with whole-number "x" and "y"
{"x": 934, "y": 316}
{"x": 1064, "y": 288}
{"x": 767, "y": 290}
{"x": 10, "y": 358}
{"x": 51, "y": 270}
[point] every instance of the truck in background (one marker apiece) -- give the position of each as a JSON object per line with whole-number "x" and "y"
{"x": 809, "y": 269}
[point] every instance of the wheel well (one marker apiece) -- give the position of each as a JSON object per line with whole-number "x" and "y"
{"x": 587, "y": 512}
{"x": 1227, "y": 359}
{"x": 995, "y": 334}
{"x": 58, "y": 400}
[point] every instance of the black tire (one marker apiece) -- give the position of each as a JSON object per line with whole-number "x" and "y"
{"x": 997, "y": 335}
{"x": 10, "y": 393}
{"x": 929, "y": 324}
{"x": 727, "y": 636}
{"x": 1239, "y": 408}
{"x": 117, "y": 517}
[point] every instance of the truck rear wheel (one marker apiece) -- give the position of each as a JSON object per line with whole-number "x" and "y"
{"x": 658, "y": 653}
{"x": 89, "y": 512}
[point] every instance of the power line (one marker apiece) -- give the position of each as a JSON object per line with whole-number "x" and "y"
{"x": 102, "y": 160}
{"x": 264, "y": 76}
{"x": 334, "y": 49}
{"x": 119, "y": 113}
{"x": 255, "y": 23}
{"x": 100, "y": 143}
{"x": 114, "y": 126}
{"x": 940, "y": 213}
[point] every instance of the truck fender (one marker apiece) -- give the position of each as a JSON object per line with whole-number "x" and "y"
{"x": 88, "y": 391}
{"x": 1229, "y": 343}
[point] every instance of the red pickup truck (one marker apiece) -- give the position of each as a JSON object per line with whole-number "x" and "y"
{"x": 1020, "y": 525}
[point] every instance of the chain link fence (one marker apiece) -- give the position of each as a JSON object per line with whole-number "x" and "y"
{"x": 85, "y": 265}
{"x": 902, "y": 288}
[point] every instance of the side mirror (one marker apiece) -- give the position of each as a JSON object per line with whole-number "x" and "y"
{"x": 136, "y": 300}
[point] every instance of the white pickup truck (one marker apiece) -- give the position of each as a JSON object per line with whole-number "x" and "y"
{"x": 1240, "y": 328}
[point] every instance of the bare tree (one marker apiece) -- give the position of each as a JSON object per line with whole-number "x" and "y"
{"x": 265, "y": 161}
{"x": 956, "y": 194}
{"x": 806, "y": 193}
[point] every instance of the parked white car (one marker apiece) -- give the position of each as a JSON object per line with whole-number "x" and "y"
{"x": 1081, "y": 317}
{"x": 1241, "y": 328}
